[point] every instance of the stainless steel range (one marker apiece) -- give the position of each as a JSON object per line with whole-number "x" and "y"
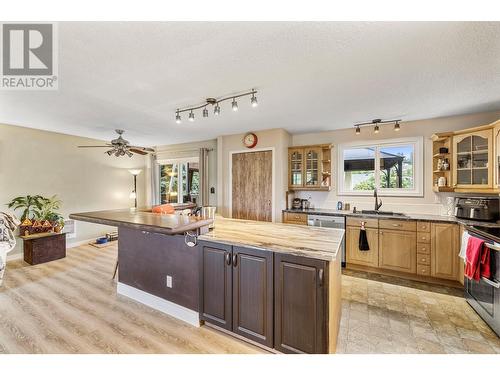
{"x": 484, "y": 296}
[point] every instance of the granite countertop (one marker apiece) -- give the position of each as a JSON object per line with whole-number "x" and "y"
{"x": 311, "y": 242}
{"x": 143, "y": 220}
{"x": 420, "y": 217}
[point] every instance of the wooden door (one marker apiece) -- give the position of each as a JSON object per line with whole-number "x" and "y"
{"x": 398, "y": 250}
{"x": 252, "y": 185}
{"x": 473, "y": 160}
{"x": 356, "y": 256}
{"x": 253, "y": 294}
{"x": 444, "y": 250}
{"x": 312, "y": 167}
{"x": 216, "y": 284}
{"x": 296, "y": 168}
{"x": 300, "y": 287}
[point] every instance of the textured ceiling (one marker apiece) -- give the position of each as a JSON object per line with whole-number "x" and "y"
{"x": 310, "y": 76}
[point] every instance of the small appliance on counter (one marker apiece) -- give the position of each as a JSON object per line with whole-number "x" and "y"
{"x": 297, "y": 204}
{"x": 477, "y": 208}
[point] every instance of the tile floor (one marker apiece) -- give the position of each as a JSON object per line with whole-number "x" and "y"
{"x": 387, "y": 315}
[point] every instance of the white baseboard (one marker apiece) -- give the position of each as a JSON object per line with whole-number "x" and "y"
{"x": 13, "y": 257}
{"x": 160, "y": 304}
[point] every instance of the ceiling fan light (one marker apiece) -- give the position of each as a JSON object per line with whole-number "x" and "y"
{"x": 191, "y": 116}
{"x": 234, "y": 105}
{"x": 376, "y": 129}
{"x": 205, "y": 112}
{"x": 397, "y": 127}
{"x": 253, "y": 101}
{"x": 217, "y": 109}
{"x": 178, "y": 119}
{"x": 358, "y": 130}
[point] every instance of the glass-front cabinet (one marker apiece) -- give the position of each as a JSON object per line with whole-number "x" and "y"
{"x": 473, "y": 160}
{"x": 296, "y": 163}
{"x": 309, "y": 167}
{"x": 312, "y": 168}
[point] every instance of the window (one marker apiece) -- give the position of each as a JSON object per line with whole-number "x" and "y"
{"x": 171, "y": 191}
{"x": 394, "y": 167}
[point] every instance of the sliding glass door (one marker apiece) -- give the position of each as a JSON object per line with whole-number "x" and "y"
{"x": 179, "y": 182}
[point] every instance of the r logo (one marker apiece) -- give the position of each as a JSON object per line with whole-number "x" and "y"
{"x": 27, "y": 49}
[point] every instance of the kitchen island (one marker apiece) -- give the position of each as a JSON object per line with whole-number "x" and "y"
{"x": 277, "y": 285}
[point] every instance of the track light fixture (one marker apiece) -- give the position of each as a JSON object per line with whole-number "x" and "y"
{"x": 215, "y": 102}
{"x": 376, "y": 122}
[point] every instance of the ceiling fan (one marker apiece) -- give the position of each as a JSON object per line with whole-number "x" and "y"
{"x": 122, "y": 147}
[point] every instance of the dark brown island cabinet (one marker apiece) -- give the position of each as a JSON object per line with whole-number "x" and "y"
{"x": 286, "y": 302}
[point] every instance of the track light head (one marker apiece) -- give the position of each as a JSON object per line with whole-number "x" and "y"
{"x": 397, "y": 127}
{"x": 178, "y": 118}
{"x": 217, "y": 109}
{"x": 191, "y": 116}
{"x": 358, "y": 130}
{"x": 234, "y": 105}
{"x": 205, "y": 112}
{"x": 376, "y": 129}
{"x": 253, "y": 101}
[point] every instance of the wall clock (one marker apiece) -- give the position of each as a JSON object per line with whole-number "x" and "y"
{"x": 250, "y": 140}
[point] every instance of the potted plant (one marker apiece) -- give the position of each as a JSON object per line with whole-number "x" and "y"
{"x": 28, "y": 203}
{"x": 46, "y": 212}
{"x": 39, "y": 213}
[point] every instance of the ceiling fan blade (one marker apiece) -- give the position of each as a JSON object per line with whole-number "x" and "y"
{"x": 146, "y": 149}
{"x": 92, "y": 146}
{"x": 137, "y": 151}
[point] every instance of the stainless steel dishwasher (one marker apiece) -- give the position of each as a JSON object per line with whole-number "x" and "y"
{"x": 329, "y": 222}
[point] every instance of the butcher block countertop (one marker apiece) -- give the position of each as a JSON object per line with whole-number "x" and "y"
{"x": 311, "y": 242}
{"x": 143, "y": 220}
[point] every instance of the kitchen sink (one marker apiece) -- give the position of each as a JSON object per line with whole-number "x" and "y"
{"x": 386, "y": 213}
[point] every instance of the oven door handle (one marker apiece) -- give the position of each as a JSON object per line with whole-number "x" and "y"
{"x": 491, "y": 282}
{"x": 492, "y": 246}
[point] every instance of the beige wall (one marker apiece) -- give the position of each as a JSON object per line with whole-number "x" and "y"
{"x": 277, "y": 139}
{"x": 430, "y": 202}
{"x": 47, "y": 163}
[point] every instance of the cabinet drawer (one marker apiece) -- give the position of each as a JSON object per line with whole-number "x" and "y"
{"x": 295, "y": 218}
{"x": 409, "y": 226}
{"x": 423, "y": 248}
{"x": 423, "y": 226}
{"x": 424, "y": 270}
{"x": 423, "y": 259}
{"x": 423, "y": 237}
{"x": 356, "y": 222}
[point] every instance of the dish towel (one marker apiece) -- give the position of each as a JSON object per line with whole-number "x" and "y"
{"x": 475, "y": 256}
{"x": 363, "y": 239}
{"x": 463, "y": 245}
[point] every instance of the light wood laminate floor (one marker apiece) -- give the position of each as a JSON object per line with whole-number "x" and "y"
{"x": 71, "y": 306}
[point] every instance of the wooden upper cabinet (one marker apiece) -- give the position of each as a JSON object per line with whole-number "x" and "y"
{"x": 473, "y": 160}
{"x": 296, "y": 167}
{"x": 444, "y": 250}
{"x": 398, "y": 250}
{"x": 309, "y": 167}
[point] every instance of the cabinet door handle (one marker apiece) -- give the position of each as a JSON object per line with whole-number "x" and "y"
{"x": 228, "y": 259}
{"x": 235, "y": 260}
{"x": 321, "y": 276}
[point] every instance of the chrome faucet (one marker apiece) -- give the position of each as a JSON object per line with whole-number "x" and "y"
{"x": 378, "y": 203}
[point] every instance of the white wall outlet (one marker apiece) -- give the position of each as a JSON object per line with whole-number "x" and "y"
{"x": 169, "y": 281}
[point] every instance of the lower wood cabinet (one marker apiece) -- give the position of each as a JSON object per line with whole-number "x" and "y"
{"x": 398, "y": 250}
{"x": 444, "y": 250}
{"x": 300, "y": 302}
{"x": 356, "y": 256}
{"x": 237, "y": 290}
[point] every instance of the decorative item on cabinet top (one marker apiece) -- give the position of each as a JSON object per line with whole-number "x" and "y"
{"x": 310, "y": 167}
{"x": 468, "y": 160}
